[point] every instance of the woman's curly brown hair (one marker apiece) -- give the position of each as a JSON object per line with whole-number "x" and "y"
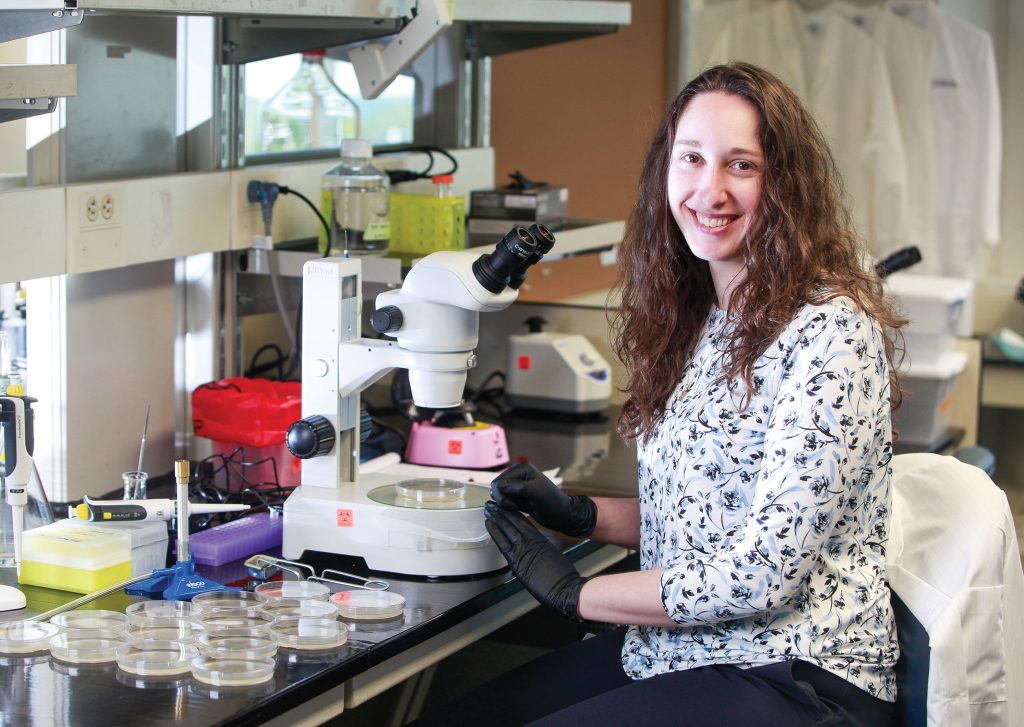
{"x": 800, "y": 248}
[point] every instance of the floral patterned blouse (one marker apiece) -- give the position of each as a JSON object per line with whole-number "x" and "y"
{"x": 770, "y": 521}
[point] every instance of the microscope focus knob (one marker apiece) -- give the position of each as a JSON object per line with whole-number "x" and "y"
{"x": 310, "y": 437}
{"x": 387, "y": 319}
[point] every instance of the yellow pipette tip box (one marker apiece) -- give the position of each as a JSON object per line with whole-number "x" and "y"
{"x": 82, "y": 557}
{"x": 421, "y": 225}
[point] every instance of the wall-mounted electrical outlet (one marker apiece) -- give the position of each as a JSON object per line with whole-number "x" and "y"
{"x": 108, "y": 206}
{"x": 98, "y": 207}
{"x": 94, "y": 234}
{"x": 92, "y": 208}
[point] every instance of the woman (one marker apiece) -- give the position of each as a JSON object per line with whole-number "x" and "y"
{"x": 761, "y": 372}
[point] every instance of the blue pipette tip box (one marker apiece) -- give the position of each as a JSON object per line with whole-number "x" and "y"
{"x": 237, "y": 539}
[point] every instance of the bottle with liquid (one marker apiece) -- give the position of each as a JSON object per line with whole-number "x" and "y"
{"x": 309, "y": 112}
{"x": 15, "y": 386}
{"x": 355, "y": 202}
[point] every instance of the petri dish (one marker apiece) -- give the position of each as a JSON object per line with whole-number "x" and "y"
{"x": 234, "y": 620}
{"x": 291, "y": 607}
{"x": 229, "y": 601}
{"x": 82, "y": 646}
{"x": 309, "y": 633}
{"x": 156, "y": 658}
{"x": 361, "y": 605}
{"x": 26, "y": 637}
{"x": 167, "y": 610}
{"x": 302, "y": 590}
{"x": 162, "y": 629}
{"x": 430, "y": 489}
{"x": 109, "y": 621}
{"x": 430, "y": 496}
{"x": 248, "y": 643}
{"x": 230, "y": 671}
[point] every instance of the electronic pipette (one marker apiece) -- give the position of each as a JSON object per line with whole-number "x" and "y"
{"x": 133, "y": 510}
{"x": 16, "y": 418}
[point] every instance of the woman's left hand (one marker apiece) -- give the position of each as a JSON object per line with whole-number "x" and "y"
{"x": 541, "y": 567}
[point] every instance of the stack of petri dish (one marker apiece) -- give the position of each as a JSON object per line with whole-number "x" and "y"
{"x": 111, "y": 622}
{"x": 169, "y": 611}
{"x": 300, "y": 590}
{"x": 309, "y": 633}
{"x": 87, "y": 646}
{"x": 88, "y": 637}
{"x": 293, "y": 607}
{"x": 182, "y": 631}
{"x": 233, "y": 601}
{"x": 233, "y": 671}
{"x": 234, "y": 619}
{"x": 365, "y": 605}
{"x": 156, "y": 658}
{"x": 241, "y": 642}
{"x": 163, "y": 621}
{"x": 26, "y": 637}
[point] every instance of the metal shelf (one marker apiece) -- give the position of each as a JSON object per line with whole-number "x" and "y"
{"x": 29, "y": 90}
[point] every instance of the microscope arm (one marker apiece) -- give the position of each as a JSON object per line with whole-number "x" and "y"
{"x": 438, "y": 377}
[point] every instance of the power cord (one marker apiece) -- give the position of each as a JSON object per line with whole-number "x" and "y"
{"x": 397, "y": 176}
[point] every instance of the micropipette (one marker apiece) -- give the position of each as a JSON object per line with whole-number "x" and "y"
{"x": 16, "y": 418}
{"x": 134, "y": 510}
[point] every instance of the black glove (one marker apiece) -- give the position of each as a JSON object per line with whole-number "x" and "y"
{"x": 524, "y": 487}
{"x": 542, "y": 568}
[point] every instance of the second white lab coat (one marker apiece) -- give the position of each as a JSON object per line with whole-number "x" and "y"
{"x": 840, "y": 74}
{"x": 967, "y": 138}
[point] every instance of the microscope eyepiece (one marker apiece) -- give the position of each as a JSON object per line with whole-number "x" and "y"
{"x": 513, "y": 252}
{"x": 545, "y": 241}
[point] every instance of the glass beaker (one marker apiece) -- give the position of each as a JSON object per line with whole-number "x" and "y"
{"x": 134, "y": 485}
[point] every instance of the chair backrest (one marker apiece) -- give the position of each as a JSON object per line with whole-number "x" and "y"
{"x": 953, "y": 560}
{"x": 912, "y": 667}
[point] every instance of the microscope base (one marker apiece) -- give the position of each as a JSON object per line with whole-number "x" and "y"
{"x": 405, "y": 540}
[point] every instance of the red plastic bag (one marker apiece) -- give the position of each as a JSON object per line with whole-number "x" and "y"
{"x": 250, "y": 412}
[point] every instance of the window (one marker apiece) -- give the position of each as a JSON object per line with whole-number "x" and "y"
{"x": 279, "y": 122}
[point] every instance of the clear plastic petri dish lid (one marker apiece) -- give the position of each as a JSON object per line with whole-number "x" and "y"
{"x": 156, "y": 658}
{"x": 309, "y": 633}
{"x": 364, "y": 605}
{"x": 26, "y": 637}
{"x": 109, "y": 621}
{"x": 291, "y": 608}
{"x": 302, "y": 590}
{"x": 228, "y": 601}
{"x": 82, "y": 646}
{"x": 430, "y": 489}
{"x": 163, "y": 629}
{"x": 232, "y": 671}
{"x": 218, "y": 620}
{"x": 167, "y": 610}
{"x": 242, "y": 642}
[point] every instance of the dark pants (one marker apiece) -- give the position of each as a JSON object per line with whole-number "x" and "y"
{"x": 584, "y": 684}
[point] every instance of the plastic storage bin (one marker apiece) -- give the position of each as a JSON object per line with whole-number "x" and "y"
{"x": 253, "y": 414}
{"x": 924, "y": 415}
{"x": 934, "y": 307}
{"x": 81, "y": 556}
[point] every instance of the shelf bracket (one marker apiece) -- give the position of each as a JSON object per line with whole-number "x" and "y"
{"x": 12, "y": 109}
{"x": 24, "y": 23}
{"x": 376, "y": 65}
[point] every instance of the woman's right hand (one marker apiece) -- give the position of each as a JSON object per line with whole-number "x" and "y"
{"x": 525, "y": 488}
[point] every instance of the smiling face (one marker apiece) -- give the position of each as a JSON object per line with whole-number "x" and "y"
{"x": 714, "y": 182}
